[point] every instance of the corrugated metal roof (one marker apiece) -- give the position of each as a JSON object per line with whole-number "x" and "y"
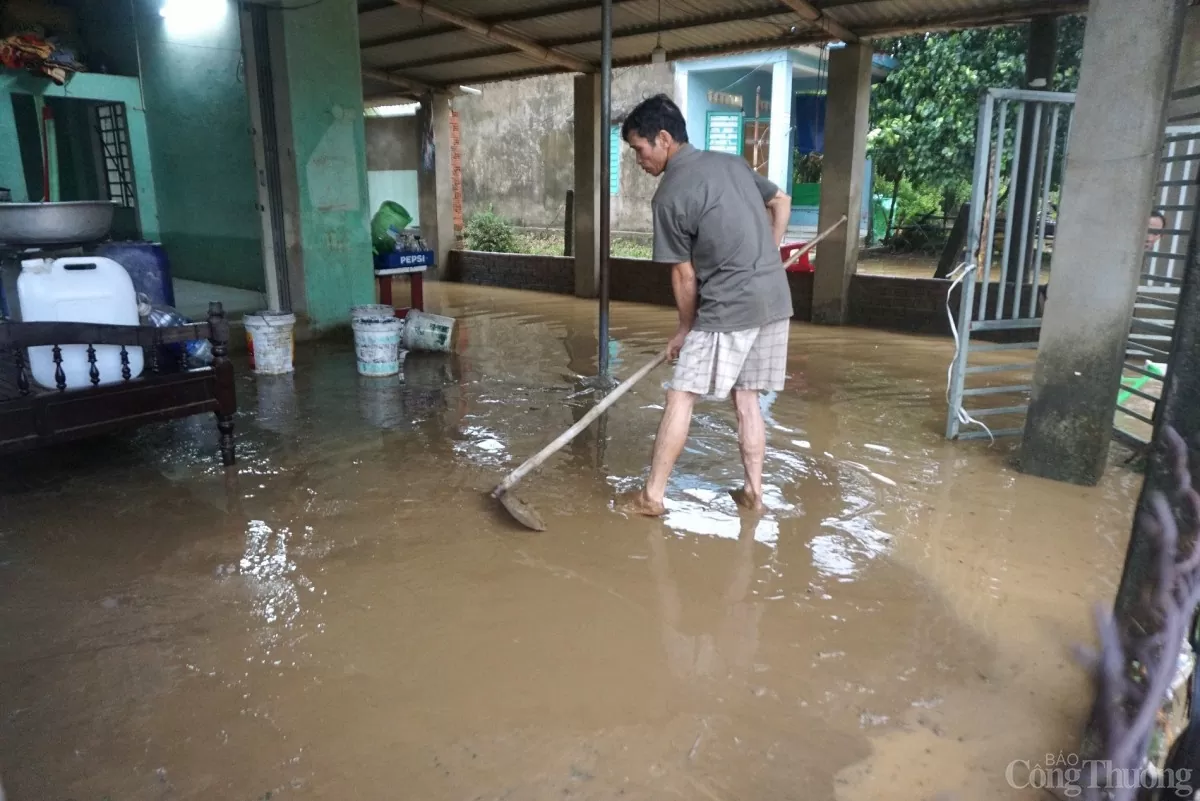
{"x": 419, "y": 47}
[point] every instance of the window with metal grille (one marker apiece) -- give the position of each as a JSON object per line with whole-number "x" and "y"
{"x": 114, "y": 147}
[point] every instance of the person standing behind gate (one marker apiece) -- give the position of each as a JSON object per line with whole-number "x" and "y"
{"x": 719, "y": 224}
{"x": 1158, "y": 222}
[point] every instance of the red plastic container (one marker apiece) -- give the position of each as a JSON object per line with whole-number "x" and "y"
{"x": 803, "y": 265}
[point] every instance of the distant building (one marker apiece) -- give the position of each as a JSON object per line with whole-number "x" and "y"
{"x": 517, "y": 138}
{"x": 730, "y": 105}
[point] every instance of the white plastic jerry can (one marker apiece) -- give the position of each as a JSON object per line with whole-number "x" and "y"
{"x": 79, "y": 290}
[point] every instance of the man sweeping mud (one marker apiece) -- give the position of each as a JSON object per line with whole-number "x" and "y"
{"x": 719, "y": 224}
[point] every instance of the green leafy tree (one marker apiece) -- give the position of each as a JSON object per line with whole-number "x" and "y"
{"x": 925, "y": 113}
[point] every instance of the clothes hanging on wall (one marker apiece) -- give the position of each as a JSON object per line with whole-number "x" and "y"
{"x": 40, "y": 56}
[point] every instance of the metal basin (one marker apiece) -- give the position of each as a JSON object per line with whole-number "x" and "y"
{"x": 73, "y": 223}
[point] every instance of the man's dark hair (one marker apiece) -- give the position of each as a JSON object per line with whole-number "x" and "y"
{"x": 1159, "y": 215}
{"x": 654, "y": 114}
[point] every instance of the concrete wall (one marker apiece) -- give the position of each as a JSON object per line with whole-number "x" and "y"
{"x": 914, "y": 305}
{"x": 518, "y": 154}
{"x": 198, "y": 120}
{"x": 392, "y": 158}
{"x": 1188, "y": 72}
{"x": 330, "y": 226}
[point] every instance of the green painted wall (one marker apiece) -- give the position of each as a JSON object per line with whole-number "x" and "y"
{"x": 198, "y": 122}
{"x": 19, "y": 93}
{"x": 324, "y": 84}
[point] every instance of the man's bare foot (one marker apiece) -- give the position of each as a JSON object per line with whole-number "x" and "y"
{"x": 747, "y": 499}
{"x": 638, "y": 504}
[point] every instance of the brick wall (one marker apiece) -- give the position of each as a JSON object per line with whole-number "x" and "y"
{"x": 901, "y": 304}
{"x": 915, "y": 305}
{"x": 456, "y": 168}
{"x": 536, "y": 273}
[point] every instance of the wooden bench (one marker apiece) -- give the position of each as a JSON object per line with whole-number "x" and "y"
{"x": 32, "y": 416}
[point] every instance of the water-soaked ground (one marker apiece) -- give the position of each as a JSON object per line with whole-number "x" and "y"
{"x": 347, "y": 617}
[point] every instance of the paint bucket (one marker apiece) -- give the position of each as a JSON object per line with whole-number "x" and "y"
{"x": 377, "y": 345}
{"x": 271, "y": 341}
{"x": 372, "y": 310}
{"x": 424, "y": 331}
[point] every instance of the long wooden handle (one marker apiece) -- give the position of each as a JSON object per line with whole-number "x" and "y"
{"x": 795, "y": 257}
{"x": 536, "y": 460}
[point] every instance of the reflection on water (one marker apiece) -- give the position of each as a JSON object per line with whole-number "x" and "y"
{"x": 266, "y": 562}
{"x": 723, "y": 649}
{"x": 277, "y": 407}
{"x": 346, "y": 612}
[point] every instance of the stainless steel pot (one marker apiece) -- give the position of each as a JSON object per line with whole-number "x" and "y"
{"x": 72, "y": 223}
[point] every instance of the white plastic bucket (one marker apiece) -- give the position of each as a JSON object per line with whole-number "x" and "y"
{"x": 270, "y": 337}
{"x": 371, "y": 310}
{"x": 424, "y": 331}
{"x": 377, "y": 345}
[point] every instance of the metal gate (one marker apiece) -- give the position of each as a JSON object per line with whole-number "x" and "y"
{"x": 1020, "y": 149}
{"x": 1177, "y": 193}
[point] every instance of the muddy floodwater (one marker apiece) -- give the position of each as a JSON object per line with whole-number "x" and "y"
{"x": 346, "y": 616}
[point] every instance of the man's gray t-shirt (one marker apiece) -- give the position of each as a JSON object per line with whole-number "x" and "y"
{"x": 710, "y": 209}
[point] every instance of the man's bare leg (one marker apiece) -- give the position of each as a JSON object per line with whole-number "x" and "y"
{"x": 752, "y": 441}
{"x": 668, "y": 444}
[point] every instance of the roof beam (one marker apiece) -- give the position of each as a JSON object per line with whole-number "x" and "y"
{"x": 398, "y": 81}
{"x": 629, "y": 31}
{"x": 818, "y": 19}
{"x": 949, "y": 22}
{"x": 498, "y": 33}
{"x": 395, "y": 99}
{"x": 984, "y": 19}
{"x": 497, "y": 19}
{"x": 776, "y": 42}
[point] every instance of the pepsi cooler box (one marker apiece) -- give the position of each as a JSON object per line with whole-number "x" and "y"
{"x": 414, "y": 261}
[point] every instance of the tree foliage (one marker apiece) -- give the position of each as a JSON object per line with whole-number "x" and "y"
{"x": 924, "y": 114}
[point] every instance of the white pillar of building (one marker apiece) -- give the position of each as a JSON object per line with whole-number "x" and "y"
{"x": 779, "y": 165}
{"x": 681, "y": 95}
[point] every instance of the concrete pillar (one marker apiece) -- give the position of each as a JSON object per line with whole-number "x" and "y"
{"x": 588, "y": 142}
{"x": 779, "y": 168}
{"x": 1099, "y": 246}
{"x": 435, "y": 177}
{"x": 846, "y": 117}
{"x": 319, "y": 115}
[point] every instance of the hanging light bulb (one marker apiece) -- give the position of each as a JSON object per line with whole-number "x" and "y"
{"x": 659, "y": 54}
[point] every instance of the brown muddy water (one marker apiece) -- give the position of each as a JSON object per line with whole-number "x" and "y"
{"x": 347, "y": 617}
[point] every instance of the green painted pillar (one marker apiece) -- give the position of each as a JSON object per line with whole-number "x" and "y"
{"x": 12, "y": 171}
{"x": 320, "y": 99}
{"x": 143, "y": 173}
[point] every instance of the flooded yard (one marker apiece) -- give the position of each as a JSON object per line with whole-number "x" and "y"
{"x": 348, "y": 616}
